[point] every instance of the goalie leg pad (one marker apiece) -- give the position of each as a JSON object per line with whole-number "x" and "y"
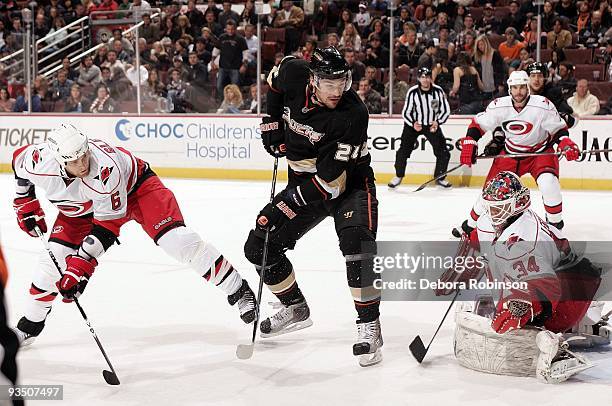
{"x": 186, "y": 246}
{"x": 556, "y": 364}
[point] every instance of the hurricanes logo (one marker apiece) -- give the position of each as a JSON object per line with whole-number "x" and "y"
{"x": 73, "y": 209}
{"x": 57, "y": 229}
{"x": 302, "y": 129}
{"x": 35, "y": 158}
{"x": 517, "y": 127}
{"x": 104, "y": 175}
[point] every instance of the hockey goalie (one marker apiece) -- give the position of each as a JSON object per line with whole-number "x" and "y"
{"x": 548, "y": 308}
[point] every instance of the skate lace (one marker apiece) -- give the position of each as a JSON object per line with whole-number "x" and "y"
{"x": 281, "y": 316}
{"x": 246, "y": 303}
{"x": 367, "y": 331}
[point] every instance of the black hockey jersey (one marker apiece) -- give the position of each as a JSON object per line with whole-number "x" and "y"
{"x": 553, "y": 93}
{"x": 327, "y": 145}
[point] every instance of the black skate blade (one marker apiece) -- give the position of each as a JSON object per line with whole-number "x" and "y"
{"x": 110, "y": 377}
{"x": 417, "y": 349}
{"x": 244, "y": 351}
{"x": 361, "y": 349}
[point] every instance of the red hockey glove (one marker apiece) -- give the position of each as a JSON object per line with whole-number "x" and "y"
{"x": 76, "y": 276}
{"x": 569, "y": 149}
{"x": 469, "y": 147}
{"x": 29, "y": 215}
{"x": 517, "y": 313}
{"x": 273, "y": 136}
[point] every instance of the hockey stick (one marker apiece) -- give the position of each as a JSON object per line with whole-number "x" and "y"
{"x": 440, "y": 176}
{"x": 417, "y": 348}
{"x": 245, "y": 351}
{"x": 109, "y": 376}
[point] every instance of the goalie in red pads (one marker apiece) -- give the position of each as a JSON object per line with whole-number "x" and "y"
{"x": 97, "y": 188}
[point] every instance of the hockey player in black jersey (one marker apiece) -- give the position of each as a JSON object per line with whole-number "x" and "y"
{"x": 320, "y": 124}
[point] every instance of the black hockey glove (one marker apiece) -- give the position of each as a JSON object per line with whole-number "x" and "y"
{"x": 273, "y": 136}
{"x": 284, "y": 207}
{"x": 496, "y": 145}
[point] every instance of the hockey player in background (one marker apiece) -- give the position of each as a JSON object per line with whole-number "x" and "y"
{"x": 531, "y": 124}
{"x": 320, "y": 124}
{"x": 560, "y": 286}
{"x": 97, "y": 188}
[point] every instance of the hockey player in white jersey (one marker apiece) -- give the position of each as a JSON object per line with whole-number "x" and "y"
{"x": 97, "y": 188}
{"x": 532, "y": 125}
{"x": 556, "y": 292}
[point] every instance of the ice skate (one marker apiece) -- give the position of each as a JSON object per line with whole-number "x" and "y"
{"x": 369, "y": 343}
{"x": 444, "y": 183}
{"x": 245, "y": 298}
{"x": 555, "y": 363}
{"x": 27, "y": 331}
{"x": 286, "y": 320}
{"x": 395, "y": 182}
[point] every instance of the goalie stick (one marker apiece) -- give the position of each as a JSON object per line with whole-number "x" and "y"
{"x": 109, "y": 376}
{"x": 417, "y": 348}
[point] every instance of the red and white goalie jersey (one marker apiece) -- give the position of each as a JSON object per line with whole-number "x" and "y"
{"x": 103, "y": 192}
{"x": 530, "y": 130}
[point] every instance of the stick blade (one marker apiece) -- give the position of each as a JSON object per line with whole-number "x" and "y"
{"x": 244, "y": 351}
{"x": 420, "y": 187}
{"x": 110, "y": 377}
{"x": 417, "y": 349}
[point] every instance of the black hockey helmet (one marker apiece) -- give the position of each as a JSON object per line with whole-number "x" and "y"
{"x": 328, "y": 63}
{"x": 423, "y": 71}
{"x": 537, "y": 67}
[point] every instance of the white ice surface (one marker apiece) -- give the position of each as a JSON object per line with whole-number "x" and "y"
{"x": 172, "y": 339}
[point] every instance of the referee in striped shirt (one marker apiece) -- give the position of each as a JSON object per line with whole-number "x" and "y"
{"x": 425, "y": 110}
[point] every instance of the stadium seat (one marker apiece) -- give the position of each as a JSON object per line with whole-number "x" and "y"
{"x": 603, "y": 90}
{"x": 588, "y": 72}
{"x": 398, "y": 106}
{"x": 477, "y": 13}
{"x": 496, "y": 40}
{"x": 403, "y": 73}
{"x": 502, "y": 12}
{"x": 579, "y": 55}
{"x": 545, "y": 55}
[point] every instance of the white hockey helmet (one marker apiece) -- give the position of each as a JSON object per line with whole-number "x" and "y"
{"x": 67, "y": 143}
{"x": 518, "y": 77}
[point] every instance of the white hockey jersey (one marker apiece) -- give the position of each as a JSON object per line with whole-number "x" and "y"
{"x": 103, "y": 192}
{"x": 526, "y": 250}
{"x": 529, "y": 130}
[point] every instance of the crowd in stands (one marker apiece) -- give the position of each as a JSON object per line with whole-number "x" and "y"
{"x": 201, "y": 56}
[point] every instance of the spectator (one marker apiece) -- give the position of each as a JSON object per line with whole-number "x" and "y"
{"x": 7, "y": 103}
{"x": 248, "y": 15}
{"x": 445, "y": 43}
{"x": 232, "y": 100}
{"x": 442, "y": 19}
{"x": 252, "y": 44}
{"x": 407, "y": 47}
{"x": 75, "y": 102}
{"x": 400, "y": 88}
{"x": 346, "y": 17}
{"x": 467, "y": 85}
{"x": 308, "y": 49}
{"x": 378, "y": 27}
{"x": 460, "y": 14}
{"x": 441, "y": 74}
{"x": 371, "y": 98}
{"x": 510, "y": 49}
{"x": 227, "y": 14}
{"x": 179, "y": 65}
{"x": 40, "y": 26}
{"x": 180, "y": 49}
{"x": 350, "y": 38}
{"x": 203, "y": 54}
{"x": 524, "y": 60}
{"x": 101, "y": 56}
{"x": 122, "y": 55}
{"x": 404, "y": 17}
{"x": 140, "y": 7}
{"x": 183, "y": 26}
{"x": 148, "y": 30}
{"x": 73, "y": 73}
{"x": 567, "y": 9}
{"x": 60, "y": 88}
{"x": 126, "y": 45}
{"x": 209, "y": 38}
{"x": 21, "y": 103}
{"x": 176, "y": 92}
{"x": 530, "y": 35}
{"x": 155, "y": 87}
{"x": 363, "y": 18}
{"x": 333, "y": 40}
{"x": 370, "y": 74}
{"x": 121, "y": 88}
{"x": 427, "y": 58}
{"x": 488, "y": 23}
{"x": 195, "y": 16}
{"x": 584, "y": 16}
{"x": 567, "y": 82}
{"x": 112, "y": 62}
{"x": 59, "y": 39}
{"x": 379, "y": 5}
{"x": 211, "y": 23}
{"x": 514, "y": 18}
{"x": 103, "y": 103}
{"x": 211, "y": 6}
{"x": 429, "y": 26}
{"x": 468, "y": 27}
{"x": 105, "y": 5}
{"x": 233, "y": 55}
{"x": 556, "y": 57}
{"x": 490, "y": 66}
{"x": 132, "y": 74}
{"x": 105, "y": 76}
{"x": 594, "y": 35}
{"x": 559, "y": 37}
{"x": 357, "y": 67}
{"x": 376, "y": 54}
{"x": 291, "y": 19}
{"x": 583, "y": 102}
{"x": 548, "y": 17}
{"x": 197, "y": 75}
{"x": 42, "y": 89}
{"x": 169, "y": 30}
{"x": 158, "y": 57}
